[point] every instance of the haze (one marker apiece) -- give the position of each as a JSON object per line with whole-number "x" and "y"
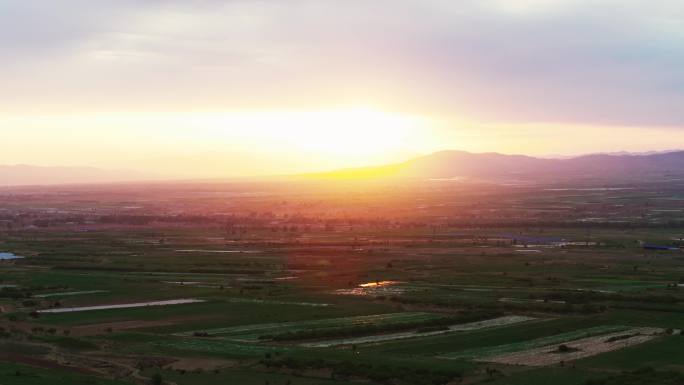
{"x": 226, "y": 88}
{"x": 336, "y": 192}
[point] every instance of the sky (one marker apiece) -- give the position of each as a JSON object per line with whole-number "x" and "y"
{"x": 210, "y": 88}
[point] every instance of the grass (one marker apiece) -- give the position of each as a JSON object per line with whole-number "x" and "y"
{"x": 556, "y": 376}
{"x": 68, "y": 343}
{"x": 17, "y": 374}
{"x": 242, "y": 377}
{"x": 217, "y": 348}
{"x": 661, "y": 353}
{"x": 216, "y": 313}
{"x": 433, "y": 346}
{"x": 451, "y": 269}
{"x": 255, "y": 332}
{"x": 534, "y": 343}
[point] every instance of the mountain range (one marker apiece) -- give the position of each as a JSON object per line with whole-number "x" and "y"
{"x": 487, "y": 166}
{"x": 439, "y": 165}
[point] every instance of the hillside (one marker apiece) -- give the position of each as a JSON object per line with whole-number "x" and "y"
{"x": 461, "y": 164}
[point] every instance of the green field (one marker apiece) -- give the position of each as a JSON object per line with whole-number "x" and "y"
{"x": 307, "y": 289}
{"x": 256, "y": 332}
{"x": 11, "y": 373}
{"x": 535, "y": 343}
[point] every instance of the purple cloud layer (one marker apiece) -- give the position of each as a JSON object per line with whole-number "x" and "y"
{"x": 575, "y": 61}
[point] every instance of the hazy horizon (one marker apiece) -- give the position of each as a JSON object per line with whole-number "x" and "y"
{"x": 25, "y": 174}
{"x": 221, "y": 89}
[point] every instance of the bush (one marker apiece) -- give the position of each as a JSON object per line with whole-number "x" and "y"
{"x": 643, "y": 376}
{"x": 157, "y": 379}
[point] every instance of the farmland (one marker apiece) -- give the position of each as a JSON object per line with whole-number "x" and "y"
{"x": 436, "y": 283}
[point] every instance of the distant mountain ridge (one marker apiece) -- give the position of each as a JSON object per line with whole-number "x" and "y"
{"x": 462, "y": 164}
{"x": 440, "y": 165}
{"x": 16, "y": 175}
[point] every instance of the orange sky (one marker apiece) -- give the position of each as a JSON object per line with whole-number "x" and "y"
{"x": 282, "y": 142}
{"x": 216, "y": 88}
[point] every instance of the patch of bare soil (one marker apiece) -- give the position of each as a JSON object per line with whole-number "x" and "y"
{"x": 575, "y": 350}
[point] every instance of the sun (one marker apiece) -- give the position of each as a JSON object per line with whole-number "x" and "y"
{"x": 275, "y": 141}
{"x": 350, "y": 133}
{"x": 355, "y": 136}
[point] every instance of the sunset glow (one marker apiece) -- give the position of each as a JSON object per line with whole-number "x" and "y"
{"x": 352, "y": 134}
{"x": 370, "y": 192}
{"x": 179, "y": 90}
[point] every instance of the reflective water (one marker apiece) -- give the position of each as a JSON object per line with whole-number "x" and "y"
{"x": 121, "y": 306}
{"x": 4, "y": 256}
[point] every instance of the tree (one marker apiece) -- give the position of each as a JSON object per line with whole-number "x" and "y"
{"x": 157, "y": 379}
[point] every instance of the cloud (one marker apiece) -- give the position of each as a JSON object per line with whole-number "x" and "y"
{"x": 586, "y": 62}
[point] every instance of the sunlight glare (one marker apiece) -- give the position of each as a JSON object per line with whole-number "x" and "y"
{"x": 348, "y": 133}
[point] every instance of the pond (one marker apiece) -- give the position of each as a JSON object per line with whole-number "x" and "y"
{"x": 6, "y": 256}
